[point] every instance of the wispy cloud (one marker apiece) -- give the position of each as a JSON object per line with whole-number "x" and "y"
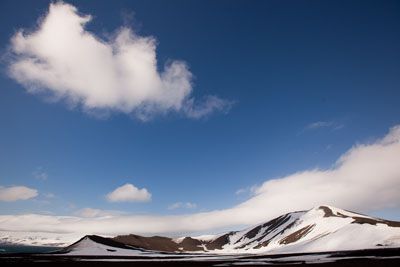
{"x": 64, "y": 60}
{"x": 129, "y": 193}
{"x": 182, "y": 205}
{"x": 365, "y": 178}
{"x": 14, "y": 193}
{"x": 247, "y": 190}
{"x": 93, "y": 213}
{"x": 324, "y": 124}
{"x": 318, "y": 125}
{"x": 40, "y": 174}
{"x": 49, "y": 195}
{"x": 207, "y": 107}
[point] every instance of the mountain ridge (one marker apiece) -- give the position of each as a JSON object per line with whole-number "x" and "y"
{"x": 295, "y": 230}
{"x": 323, "y": 228}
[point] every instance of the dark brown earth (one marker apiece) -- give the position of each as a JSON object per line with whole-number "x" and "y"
{"x": 191, "y": 244}
{"x": 167, "y": 244}
{"x": 219, "y": 242}
{"x": 151, "y": 243}
{"x": 268, "y": 227}
{"x": 297, "y": 235}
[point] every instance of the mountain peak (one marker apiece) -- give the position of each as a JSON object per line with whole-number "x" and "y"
{"x": 329, "y": 210}
{"x": 356, "y": 218}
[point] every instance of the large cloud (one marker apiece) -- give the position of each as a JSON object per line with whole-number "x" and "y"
{"x": 365, "y": 178}
{"x": 14, "y": 193}
{"x": 120, "y": 74}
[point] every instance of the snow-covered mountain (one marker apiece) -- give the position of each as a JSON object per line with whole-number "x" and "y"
{"x": 92, "y": 245}
{"x": 320, "y": 229}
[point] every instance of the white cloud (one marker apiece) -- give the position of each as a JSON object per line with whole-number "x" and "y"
{"x": 129, "y": 193}
{"x": 40, "y": 174}
{"x": 49, "y": 195}
{"x": 323, "y": 124}
{"x": 14, "y": 193}
{"x": 184, "y": 205}
{"x": 64, "y": 60}
{"x": 93, "y": 213}
{"x": 247, "y": 190}
{"x": 365, "y": 179}
{"x": 208, "y": 106}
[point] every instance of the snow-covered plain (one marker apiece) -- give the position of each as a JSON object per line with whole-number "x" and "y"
{"x": 39, "y": 238}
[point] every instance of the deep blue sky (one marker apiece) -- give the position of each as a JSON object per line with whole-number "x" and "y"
{"x": 287, "y": 64}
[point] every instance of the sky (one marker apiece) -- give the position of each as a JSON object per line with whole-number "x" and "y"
{"x": 172, "y": 116}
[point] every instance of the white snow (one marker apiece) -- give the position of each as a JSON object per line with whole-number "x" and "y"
{"x": 39, "y": 238}
{"x": 199, "y": 237}
{"x": 205, "y": 237}
{"x": 90, "y": 248}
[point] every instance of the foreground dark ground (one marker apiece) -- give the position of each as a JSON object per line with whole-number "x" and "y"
{"x": 374, "y": 257}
